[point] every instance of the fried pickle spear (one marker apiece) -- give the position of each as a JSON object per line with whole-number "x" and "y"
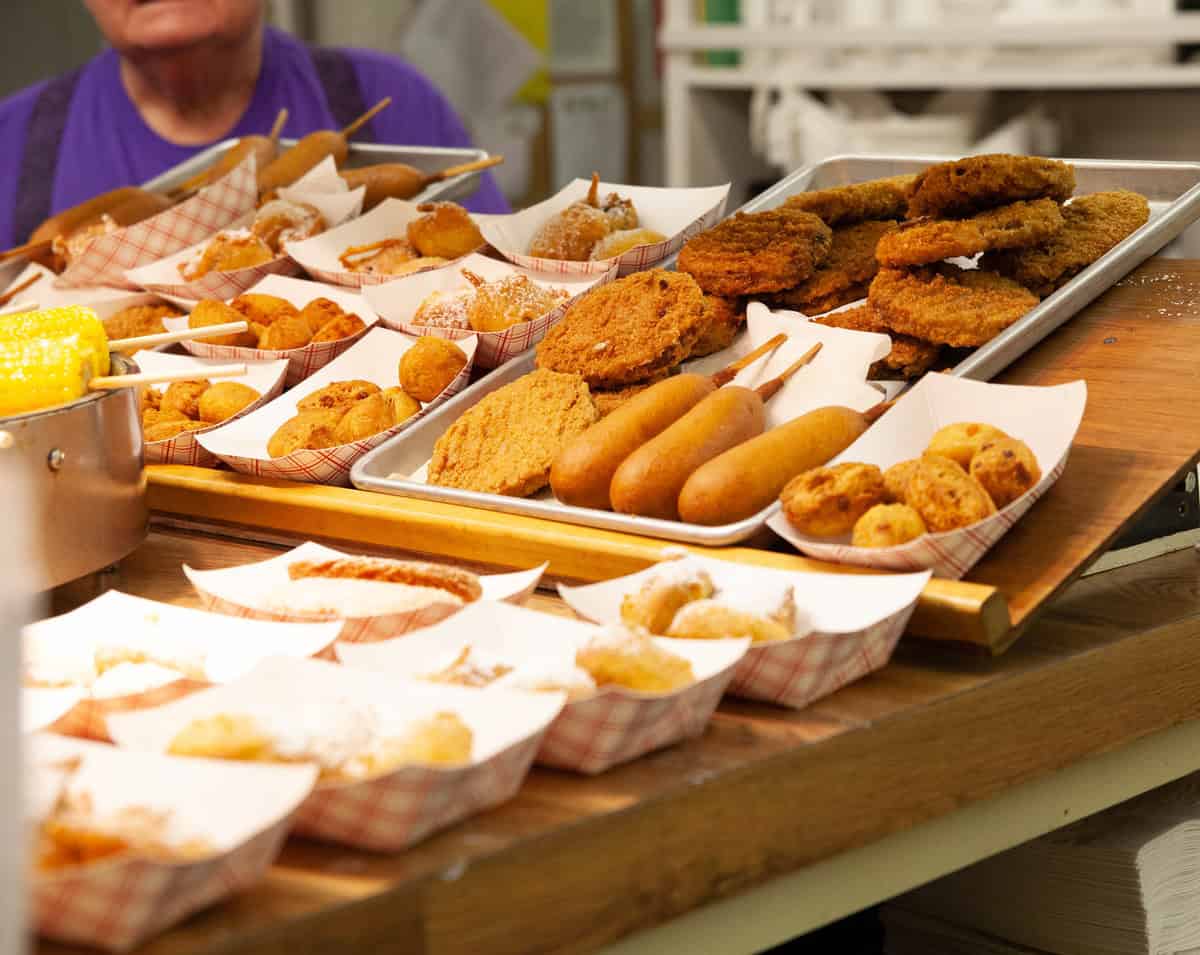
{"x": 843, "y": 277}
{"x": 909, "y": 358}
{"x": 967, "y": 186}
{"x": 846, "y": 205}
{"x": 1015, "y": 226}
{"x": 1093, "y": 225}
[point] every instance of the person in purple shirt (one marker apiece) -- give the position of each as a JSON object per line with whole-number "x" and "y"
{"x": 183, "y": 74}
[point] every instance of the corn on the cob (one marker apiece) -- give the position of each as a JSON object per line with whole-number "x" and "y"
{"x": 78, "y": 320}
{"x": 48, "y": 357}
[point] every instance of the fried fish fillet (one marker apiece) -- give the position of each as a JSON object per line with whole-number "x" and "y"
{"x": 909, "y": 358}
{"x": 757, "y": 252}
{"x": 1092, "y": 226}
{"x": 626, "y": 331}
{"x": 1015, "y": 226}
{"x": 845, "y": 205}
{"x": 948, "y": 305}
{"x": 964, "y": 187}
{"x": 506, "y": 443}
{"x": 844, "y": 276}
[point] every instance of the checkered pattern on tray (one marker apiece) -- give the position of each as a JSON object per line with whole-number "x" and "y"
{"x": 185, "y": 449}
{"x": 392, "y": 812}
{"x": 949, "y": 554}
{"x": 614, "y": 727}
{"x": 302, "y": 362}
{"x": 106, "y": 259}
{"x": 635, "y": 260}
{"x": 88, "y": 719}
{"x": 332, "y": 465}
{"x": 224, "y": 285}
{"x": 116, "y": 905}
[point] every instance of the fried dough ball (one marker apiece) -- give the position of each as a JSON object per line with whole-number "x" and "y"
{"x": 826, "y": 502}
{"x": 344, "y": 326}
{"x": 223, "y": 736}
{"x": 620, "y": 242}
{"x": 1007, "y": 468}
{"x": 340, "y": 395}
{"x": 887, "y": 525}
{"x": 653, "y": 605}
{"x": 401, "y": 405}
{"x": 163, "y": 430}
{"x": 309, "y": 429}
{"x": 571, "y": 235}
{"x": 508, "y": 301}
{"x": 320, "y": 312}
{"x": 364, "y": 419}
{"x": 713, "y": 620}
{"x": 184, "y": 396}
{"x": 209, "y": 311}
{"x": 445, "y": 309}
{"x": 227, "y": 252}
{"x": 445, "y": 231}
{"x": 150, "y": 399}
{"x": 429, "y": 366}
{"x": 961, "y": 441}
{"x": 225, "y": 399}
{"x": 895, "y": 480}
{"x": 630, "y": 658}
{"x": 259, "y": 309}
{"x": 946, "y": 496}
{"x": 286, "y": 333}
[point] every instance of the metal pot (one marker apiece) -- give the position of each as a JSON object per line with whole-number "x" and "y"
{"x": 84, "y": 494}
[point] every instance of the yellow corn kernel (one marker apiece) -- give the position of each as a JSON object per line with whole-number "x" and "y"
{"x": 37, "y": 373}
{"x": 69, "y": 320}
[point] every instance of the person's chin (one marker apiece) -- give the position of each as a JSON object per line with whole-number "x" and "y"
{"x": 164, "y": 24}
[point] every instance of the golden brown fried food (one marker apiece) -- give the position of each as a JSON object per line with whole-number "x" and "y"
{"x": 446, "y": 231}
{"x": 149, "y": 399}
{"x": 288, "y": 332}
{"x": 654, "y": 604}
{"x": 338, "y": 394}
{"x": 506, "y": 443}
{"x": 155, "y": 415}
{"x": 344, "y": 326}
{"x": 225, "y": 399}
{"x": 429, "y": 366}
{"x": 1007, "y": 468}
{"x": 961, "y": 441}
{"x": 184, "y": 396}
{"x": 570, "y": 235}
{"x": 209, "y": 311}
{"x": 227, "y": 252}
{"x": 724, "y": 318}
{"x": 628, "y": 330}
{"x": 401, "y": 405}
{"x": 964, "y": 187}
{"x": 609, "y": 400}
{"x": 1015, "y": 226}
{"x": 710, "y": 619}
{"x": 508, "y": 301}
{"x": 170, "y": 428}
{"x": 845, "y": 205}
{"x": 887, "y": 525}
{"x": 223, "y": 736}
{"x": 909, "y": 358}
{"x": 620, "y": 242}
{"x": 260, "y": 309}
{"x": 281, "y": 221}
{"x": 622, "y": 216}
{"x": 895, "y": 480}
{"x": 445, "y": 309}
{"x": 844, "y": 275}
{"x": 320, "y": 312}
{"x": 948, "y": 305}
{"x": 442, "y": 739}
{"x": 826, "y": 502}
{"x": 138, "y": 320}
{"x": 387, "y": 257}
{"x": 631, "y": 658}
{"x": 757, "y": 252}
{"x": 309, "y": 429}
{"x": 1093, "y": 225}
{"x": 364, "y": 419}
{"x": 946, "y": 496}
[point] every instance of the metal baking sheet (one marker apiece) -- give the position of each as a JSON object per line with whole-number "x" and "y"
{"x": 428, "y": 159}
{"x": 409, "y": 451}
{"x": 1172, "y": 188}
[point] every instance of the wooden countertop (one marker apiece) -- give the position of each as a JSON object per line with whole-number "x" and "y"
{"x": 574, "y": 863}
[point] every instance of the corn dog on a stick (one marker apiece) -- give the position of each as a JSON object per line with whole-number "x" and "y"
{"x": 48, "y": 357}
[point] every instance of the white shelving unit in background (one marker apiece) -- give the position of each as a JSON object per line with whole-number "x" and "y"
{"x": 703, "y": 137}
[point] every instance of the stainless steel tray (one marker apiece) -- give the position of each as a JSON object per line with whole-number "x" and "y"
{"x": 409, "y": 451}
{"x": 426, "y": 158}
{"x": 1172, "y": 188}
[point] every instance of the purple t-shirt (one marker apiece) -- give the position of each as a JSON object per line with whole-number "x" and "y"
{"x": 107, "y": 144}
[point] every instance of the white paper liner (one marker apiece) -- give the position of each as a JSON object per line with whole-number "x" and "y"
{"x": 848, "y": 625}
{"x": 1045, "y": 418}
{"x": 265, "y": 377}
{"x": 589, "y": 735}
{"x": 394, "y": 810}
{"x": 676, "y": 213}
{"x": 318, "y": 256}
{"x": 303, "y": 361}
{"x": 230, "y": 648}
{"x": 242, "y": 444}
{"x": 397, "y": 303}
{"x": 240, "y": 591}
{"x": 103, "y": 300}
{"x": 243, "y": 810}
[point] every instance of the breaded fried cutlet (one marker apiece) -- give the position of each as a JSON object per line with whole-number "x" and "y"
{"x": 948, "y": 305}
{"x": 628, "y": 330}
{"x": 757, "y": 252}
{"x": 963, "y": 187}
{"x": 909, "y": 358}
{"x": 1092, "y": 226}
{"x": 608, "y": 401}
{"x": 506, "y": 443}
{"x": 724, "y": 318}
{"x": 1015, "y": 226}
{"x": 845, "y": 205}
{"x": 844, "y": 276}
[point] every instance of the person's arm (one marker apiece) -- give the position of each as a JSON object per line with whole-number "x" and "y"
{"x": 419, "y": 116}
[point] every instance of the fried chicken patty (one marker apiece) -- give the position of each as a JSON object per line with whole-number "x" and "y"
{"x": 964, "y": 187}
{"x": 844, "y": 276}
{"x": 844, "y": 205}
{"x": 1015, "y": 226}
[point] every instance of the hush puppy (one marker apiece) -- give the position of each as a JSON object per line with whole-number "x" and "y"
{"x": 429, "y": 366}
{"x": 1006, "y": 468}
{"x": 946, "y": 496}
{"x": 225, "y": 399}
{"x": 826, "y": 502}
{"x": 961, "y": 441}
{"x": 887, "y": 525}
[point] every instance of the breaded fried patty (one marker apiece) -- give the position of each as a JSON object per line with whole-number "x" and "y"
{"x": 964, "y": 187}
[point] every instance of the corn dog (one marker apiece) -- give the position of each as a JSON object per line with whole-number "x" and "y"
{"x": 293, "y": 163}
{"x": 397, "y": 180}
{"x": 67, "y": 221}
{"x": 263, "y": 148}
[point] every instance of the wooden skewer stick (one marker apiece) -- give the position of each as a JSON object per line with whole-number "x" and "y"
{"x": 18, "y": 308}
{"x": 875, "y": 412}
{"x": 768, "y": 389}
{"x": 109, "y": 382}
{"x": 167, "y": 338}
{"x": 14, "y": 292}
{"x": 726, "y": 375}
{"x": 365, "y": 118}
{"x": 277, "y": 126}
{"x": 487, "y": 162}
